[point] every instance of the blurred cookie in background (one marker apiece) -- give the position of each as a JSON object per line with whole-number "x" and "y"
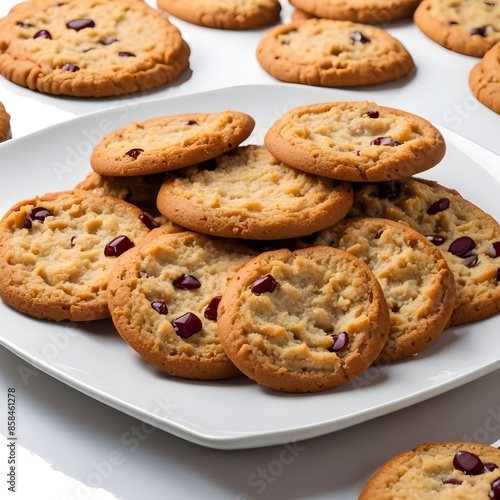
{"x": 361, "y": 11}
{"x": 221, "y": 14}
{"x": 5, "y": 132}
{"x": 484, "y": 79}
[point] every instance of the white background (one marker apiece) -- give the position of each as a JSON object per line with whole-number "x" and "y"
{"x": 72, "y": 447}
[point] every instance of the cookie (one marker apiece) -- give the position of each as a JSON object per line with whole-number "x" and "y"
{"x": 417, "y": 283}
{"x": 90, "y": 48}
{"x": 331, "y": 53}
{"x": 484, "y": 79}
{"x": 56, "y": 251}
{"x": 169, "y": 142}
{"x": 463, "y": 26}
{"x": 4, "y": 124}
{"x": 447, "y": 470}
{"x": 468, "y": 238}
{"x": 249, "y": 194}
{"x": 224, "y": 14}
{"x": 298, "y": 16}
{"x": 361, "y": 11}
{"x": 140, "y": 190}
{"x": 355, "y": 141}
{"x": 303, "y": 321}
{"x": 163, "y": 297}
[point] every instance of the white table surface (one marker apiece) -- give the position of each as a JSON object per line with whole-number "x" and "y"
{"x": 73, "y": 447}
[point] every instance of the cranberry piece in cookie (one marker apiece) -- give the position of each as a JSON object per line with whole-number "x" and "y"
{"x": 117, "y": 246}
{"x": 80, "y": 24}
{"x": 187, "y": 325}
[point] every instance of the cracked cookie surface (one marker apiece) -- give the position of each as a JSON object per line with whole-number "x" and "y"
{"x": 90, "y": 48}
{"x": 465, "y": 26}
{"x": 331, "y": 53}
{"x": 468, "y": 238}
{"x": 418, "y": 285}
{"x": 249, "y": 194}
{"x": 170, "y": 276}
{"x": 484, "y": 79}
{"x": 355, "y": 141}
{"x": 303, "y": 321}
{"x": 54, "y": 260}
{"x": 438, "y": 470}
{"x": 169, "y": 142}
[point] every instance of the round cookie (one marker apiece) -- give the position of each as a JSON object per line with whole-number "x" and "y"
{"x": 224, "y": 14}
{"x": 90, "y": 48}
{"x": 355, "y": 141}
{"x": 463, "y": 26}
{"x": 330, "y": 53}
{"x": 4, "y": 124}
{"x": 484, "y": 79}
{"x": 303, "y": 321}
{"x": 444, "y": 471}
{"x": 56, "y": 251}
{"x": 361, "y": 11}
{"x": 169, "y": 142}
{"x": 468, "y": 238}
{"x": 247, "y": 193}
{"x": 417, "y": 283}
{"x": 163, "y": 297}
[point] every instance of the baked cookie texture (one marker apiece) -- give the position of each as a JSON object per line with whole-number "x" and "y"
{"x": 303, "y": 321}
{"x": 332, "y": 53}
{"x": 468, "y": 27}
{"x": 484, "y": 79}
{"x": 90, "y": 48}
{"x": 56, "y": 251}
{"x": 468, "y": 238}
{"x": 169, "y": 142}
{"x": 163, "y": 297}
{"x": 361, "y": 11}
{"x": 140, "y": 190}
{"x": 5, "y": 132}
{"x": 249, "y": 194}
{"x": 447, "y": 470}
{"x": 224, "y": 14}
{"x": 298, "y": 16}
{"x": 418, "y": 285}
{"x": 355, "y": 141}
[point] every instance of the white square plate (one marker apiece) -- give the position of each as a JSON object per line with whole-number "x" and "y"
{"x": 236, "y": 413}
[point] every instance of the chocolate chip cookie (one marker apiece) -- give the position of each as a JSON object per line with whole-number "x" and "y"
{"x": 90, "y": 48}
{"x": 303, "y": 321}
{"x": 355, "y": 141}
{"x": 331, "y": 53}
{"x": 164, "y": 296}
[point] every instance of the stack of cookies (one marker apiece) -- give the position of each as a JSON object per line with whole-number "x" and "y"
{"x": 298, "y": 262}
